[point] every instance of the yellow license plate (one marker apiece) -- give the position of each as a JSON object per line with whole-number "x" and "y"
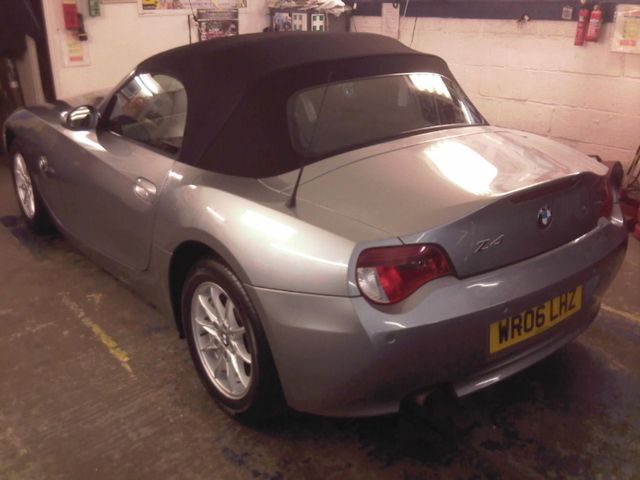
{"x": 529, "y": 323}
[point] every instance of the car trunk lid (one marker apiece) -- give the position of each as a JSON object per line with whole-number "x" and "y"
{"x": 479, "y": 195}
{"x": 520, "y": 225}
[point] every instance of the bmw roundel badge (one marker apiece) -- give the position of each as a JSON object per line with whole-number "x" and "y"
{"x": 544, "y": 217}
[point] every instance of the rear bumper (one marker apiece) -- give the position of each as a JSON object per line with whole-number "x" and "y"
{"x": 342, "y": 356}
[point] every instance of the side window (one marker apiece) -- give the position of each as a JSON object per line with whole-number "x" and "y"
{"x": 151, "y": 109}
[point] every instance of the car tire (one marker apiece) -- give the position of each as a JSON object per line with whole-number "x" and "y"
{"x": 228, "y": 345}
{"x": 30, "y": 202}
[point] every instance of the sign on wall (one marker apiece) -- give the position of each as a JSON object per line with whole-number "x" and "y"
{"x": 74, "y": 52}
{"x": 626, "y": 29}
{"x": 185, "y": 7}
{"x": 214, "y": 23}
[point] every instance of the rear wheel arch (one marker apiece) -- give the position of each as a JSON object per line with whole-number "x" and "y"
{"x": 184, "y": 257}
{"x": 229, "y": 333}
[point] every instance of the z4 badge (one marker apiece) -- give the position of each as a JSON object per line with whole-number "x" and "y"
{"x": 487, "y": 243}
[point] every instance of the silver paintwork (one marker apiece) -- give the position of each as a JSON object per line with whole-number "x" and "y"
{"x": 131, "y": 208}
{"x": 373, "y": 356}
{"x": 221, "y": 340}
{"x": 104, "y": 188}
{"x": 452, "y": 172}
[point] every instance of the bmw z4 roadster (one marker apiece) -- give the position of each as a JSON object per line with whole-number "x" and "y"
{"x": 329, "y": 220}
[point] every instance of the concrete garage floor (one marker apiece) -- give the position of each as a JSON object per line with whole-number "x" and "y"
{"x": 96, "y": 384}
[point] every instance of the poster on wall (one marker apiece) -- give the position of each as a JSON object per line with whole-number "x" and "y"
{"x": 74, "y": 52}
{"x": 216, "y": 23}
{"x": 281, "y": 22}
{"x": 185, "y": 7}
{"x": 626, "y": 29}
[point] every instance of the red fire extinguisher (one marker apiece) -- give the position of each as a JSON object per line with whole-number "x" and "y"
{"x": 70, "y": 12}
{"x": 583, "y": 21}
{"x": 595, "y": 22}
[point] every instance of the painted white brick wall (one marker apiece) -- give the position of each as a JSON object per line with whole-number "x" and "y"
{"x": 120, "y": 38}
{"x": 531, "y": 77}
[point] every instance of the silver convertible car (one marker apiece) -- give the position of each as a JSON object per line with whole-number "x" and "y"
{"x": 331, "y": 222}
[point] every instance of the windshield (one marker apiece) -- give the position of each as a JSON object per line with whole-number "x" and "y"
{"x": 369, "y": 110}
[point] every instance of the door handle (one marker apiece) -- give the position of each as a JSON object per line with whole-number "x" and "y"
{"x": 145, "y": 189}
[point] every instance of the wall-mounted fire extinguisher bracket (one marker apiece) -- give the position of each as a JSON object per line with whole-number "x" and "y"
{"x": 595, "y": 23}
{"x": 82, "y": 33}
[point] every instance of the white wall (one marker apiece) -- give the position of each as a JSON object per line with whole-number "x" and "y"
{"x": 532, "y": 77}
{"x": 255, "y": 17}
{"x": 29, "y": 74}
{"x": 120, "y": 38}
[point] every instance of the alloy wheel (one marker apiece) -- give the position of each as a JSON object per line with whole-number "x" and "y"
{"x": 221, "y": 340}
{"x": 24, "y": 186}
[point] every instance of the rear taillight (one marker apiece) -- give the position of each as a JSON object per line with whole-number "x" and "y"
{"x": 390, "y": 274}
{"x": 606, "y": 197}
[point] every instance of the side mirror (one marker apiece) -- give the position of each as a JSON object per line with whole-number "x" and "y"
{"x": 84, "y": 117}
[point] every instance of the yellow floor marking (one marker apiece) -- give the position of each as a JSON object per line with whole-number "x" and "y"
{"x": 100, "y": 334}
{"x": 628, "y": 315}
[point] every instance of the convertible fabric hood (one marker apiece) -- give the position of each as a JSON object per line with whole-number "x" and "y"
{"x": 238, "y": 88}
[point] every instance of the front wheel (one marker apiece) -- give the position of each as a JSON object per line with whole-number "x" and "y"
{"x": 227, "y": 343}
{"x": 31, "y": 205}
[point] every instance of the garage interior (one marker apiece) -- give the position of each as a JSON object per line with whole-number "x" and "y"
{"x": 97, "y": 384}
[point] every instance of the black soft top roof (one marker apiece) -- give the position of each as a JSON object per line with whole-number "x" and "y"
{"x": 237, "y": 90}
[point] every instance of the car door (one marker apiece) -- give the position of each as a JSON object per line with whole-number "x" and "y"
{"x": 113, "y": 187}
